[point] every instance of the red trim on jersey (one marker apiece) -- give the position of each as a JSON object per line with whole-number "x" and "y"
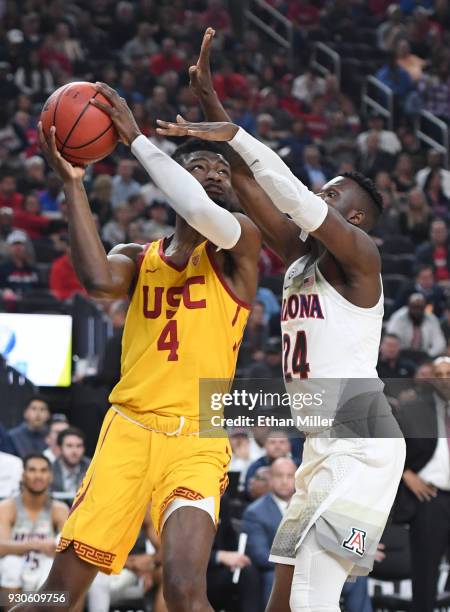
{"x": 141, "y": 256}
{"x": 167, "y": 261}
{"x": 139, "y": 260}
{"x": 238, "y": 310}
{"x": 221, "y": 278}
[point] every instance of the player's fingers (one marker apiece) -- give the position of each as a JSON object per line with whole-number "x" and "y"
{"x": 53, "y": 147}
{"x": 109, "y": 93}
{"x": 206, "y": 47}
{"x": 42, "y": 139}
{"x": 104, "y": 107}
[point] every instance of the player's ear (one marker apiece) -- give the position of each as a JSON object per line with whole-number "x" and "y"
{"x": 356, "y": 217}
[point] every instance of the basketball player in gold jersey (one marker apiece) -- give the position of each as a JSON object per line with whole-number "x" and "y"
{"x": 189, "y": 306}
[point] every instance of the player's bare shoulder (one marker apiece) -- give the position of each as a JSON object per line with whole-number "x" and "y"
{"x": 249, "y": 243}
{"x": 133, "y": 251}
{"x": 8, "y": 510}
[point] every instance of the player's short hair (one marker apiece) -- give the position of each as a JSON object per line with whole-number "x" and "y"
{"x": 31, "y": 456}
{"x": 192, "y": 145}
{"x": 70, "y": 431}
{"x": 369, "y": 187}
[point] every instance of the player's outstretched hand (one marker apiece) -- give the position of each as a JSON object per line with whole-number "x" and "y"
{"x": 221, "y": 131}
{"x": 64, "y": 169}
{"x": 200, "y": 79}
{"x": 119, "y": 111}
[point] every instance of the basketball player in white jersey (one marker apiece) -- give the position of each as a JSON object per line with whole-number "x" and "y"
{"x": 331, "y": 322}
{"x": 29, "y": 525}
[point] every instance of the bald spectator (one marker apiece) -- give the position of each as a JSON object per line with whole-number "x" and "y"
{"x": 123, "y": 183}
{"x": 276, "y": 445}
{"x": 261, "y": 519}
{"x": 417, "y": 330}
{"x": 30, "y": 435}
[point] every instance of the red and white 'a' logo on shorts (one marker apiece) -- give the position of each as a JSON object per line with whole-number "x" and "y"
{"x": 356, "y": 542}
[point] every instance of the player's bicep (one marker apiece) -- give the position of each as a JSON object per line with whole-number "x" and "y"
{"x": 278, "y": 231}
{"x": 350, "y": 245}
{"x": 123, "y": 266}
{"x": 6, "y": 519}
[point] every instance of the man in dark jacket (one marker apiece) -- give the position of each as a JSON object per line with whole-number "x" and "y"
{"x": 29, "y": 436}
{"x": 423, "y": 499}
{"x": 70, "y": 467}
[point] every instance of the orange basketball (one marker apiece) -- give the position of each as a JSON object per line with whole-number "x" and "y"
{"x": 84, "y": 133}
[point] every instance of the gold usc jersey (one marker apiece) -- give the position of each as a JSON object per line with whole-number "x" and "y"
{"x": 183, "y": 324}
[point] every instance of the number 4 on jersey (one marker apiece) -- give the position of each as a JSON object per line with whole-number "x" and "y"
{"x": 168, "y": 340}
{"x": 295, "y": 365}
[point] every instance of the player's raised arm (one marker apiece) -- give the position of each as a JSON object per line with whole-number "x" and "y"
{"x": 185, "y": 194}
{"x": 101, "y": 276}
{"x": 314, "y": 214}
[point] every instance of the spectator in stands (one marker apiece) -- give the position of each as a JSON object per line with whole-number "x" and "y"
{"x": 157, "y": 226}
{"x": 217, "y": 17}
{"x": 390, "y": 363}
{"x": 29, "y": 436}
{"x": 397, "y": 79}
{"x": 434, "y": 162}
{"x": 417, "y": 329}
{"x": 308, "y": 86}
{"x": 11, "y": 468}
{"x": 413, "y": 64}
{"x": 34, "y": 175}
{"x": 295, "y": 144}
{"x": 391, "y": 30}
{"x": 33, "y": 78}
{"x": 423, "y": 498}
{"x": 276, "y": 445}
{"x": 261, "y": 518}
{"x": 434, "y": 89}
{"x": 51, "y": 197}
{"x": 17, "y": 273}
{"x": 265, "y": 130}
{"x": 71, "y": 465}
{"x": 435, "y": 196}
{"x": 9, "y": 196}
{"x": 63, "y": 281}
{"x": 29, "y": 524}
{"x": 123, "y": 184}
{"x": 415, "y": 220}
{"x": 109, "y": 366}
{"x": 436, "y": 252}
{"x": 116, "y": 230}
{"x": 167, "y": 59}
{"x": 373, "y": 159}
{"x": 259, "y": 483}
{"x": 269, "y": 103}
{"x": 425, "y": 284}
{"x": 388, "y": 140}
{"x": 100, "y": 197}
{"x": 30, "y": 218}
{"x": 256, "y": 333}
{"x": 58, "y": 423}
{"x": 314, "y": 173}
{"x": 271, "y": 366}
{"x": 403, "y": 175}
{"x": 142, "y": 44}
{"x": 128, "y": 89}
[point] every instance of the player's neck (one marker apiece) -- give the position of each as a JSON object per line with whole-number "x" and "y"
{"x": 32, "y": 502}
{"x": 185, "y": 237}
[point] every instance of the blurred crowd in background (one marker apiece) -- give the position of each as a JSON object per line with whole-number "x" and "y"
{"x": 143, "y": 48}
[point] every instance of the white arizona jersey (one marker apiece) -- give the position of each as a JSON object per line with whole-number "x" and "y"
{"x": 324, "y": 335}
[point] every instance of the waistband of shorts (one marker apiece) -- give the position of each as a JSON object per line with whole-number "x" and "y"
{"x": 167, "y": 425}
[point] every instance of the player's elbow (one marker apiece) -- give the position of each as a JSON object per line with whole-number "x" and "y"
{"x": 98, "y": 289}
